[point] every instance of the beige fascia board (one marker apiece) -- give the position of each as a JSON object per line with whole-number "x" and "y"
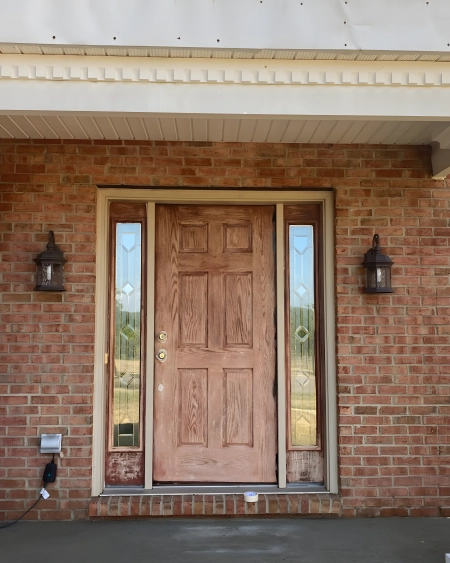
{"x": 100, "y": 347}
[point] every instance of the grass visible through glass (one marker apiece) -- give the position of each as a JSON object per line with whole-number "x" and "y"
{"x": 302, "y": 332}
{"x": 127, "y": 341}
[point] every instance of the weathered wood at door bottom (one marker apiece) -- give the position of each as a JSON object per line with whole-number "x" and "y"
{"x": 125, "y": 467}
{"x": 141, "y": 506}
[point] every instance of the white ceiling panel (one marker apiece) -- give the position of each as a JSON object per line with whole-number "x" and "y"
{"x": 293, "y": 130}
{"x": 352, "y": 132}
{"x": 42, "y": 126}
{"x": 200, "y": 129}
{"x": 277, "y": 130}
{"x": 122, "y": 127}
{"x": 169, "y": 129}
{"x": 367, "y": 132}
{"x": 402, "y": 128}
{"x": 246, "y": 130}
{"x": 384, "y": 131}
{"x": 329, "y": 131}
{"x": 339, "y": 131}
{"x": 137, "y": 128}
{"x": 106, "y": 127}
{"x": 4, "y": 133}
{"x": 308, "y": 131}
{"x": 153, "y": 128}
{"x": 411, "y": 134}
{"x": 184, "y": 129}
{"x": 75, "y": 127}
{"x": 215, "y": 129}
{"x": 26, "y": 126}
{"x": 59, "y": 127}
{"x": 10, "y": 127}
{"x": 230, "y": 130}
{"x": 90, "y": 126}
{"x": 323, "y": 131}
{"x": 424, "y": 137}
{"x": 261, "y": 130}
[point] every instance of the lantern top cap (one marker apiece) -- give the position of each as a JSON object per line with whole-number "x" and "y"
{"x": 374, "y": 256}
{"x": 53, "y": 251}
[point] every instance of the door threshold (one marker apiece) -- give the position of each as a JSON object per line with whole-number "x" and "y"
{"x": 292, "y": 488}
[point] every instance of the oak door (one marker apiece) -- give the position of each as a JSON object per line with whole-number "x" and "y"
{"x": 215, "y": 416}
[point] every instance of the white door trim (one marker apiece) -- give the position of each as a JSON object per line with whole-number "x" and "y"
{"x": 238, "y": 197}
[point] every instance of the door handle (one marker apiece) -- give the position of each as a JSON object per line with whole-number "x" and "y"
{"x": 161, "y": 355}
{"x": 162, "y": 336}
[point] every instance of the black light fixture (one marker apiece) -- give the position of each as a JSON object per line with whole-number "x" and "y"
{"x": 378, "y": 269}
{"x": 50, "y": 267}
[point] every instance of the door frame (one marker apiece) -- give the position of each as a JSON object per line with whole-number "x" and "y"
{"x": 212, "y": 197}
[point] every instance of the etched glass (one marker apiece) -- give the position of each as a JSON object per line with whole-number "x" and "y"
{"x": 303, "y": 396}
{"x": 127, "y": 342}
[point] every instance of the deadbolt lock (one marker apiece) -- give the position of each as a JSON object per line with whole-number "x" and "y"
{"x": 161, "y": 355}
{"x": 162, "y": 336}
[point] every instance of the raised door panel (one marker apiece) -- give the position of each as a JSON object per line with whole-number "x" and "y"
{"x": 193, "y": 310}
{"x": 214, "y": 404}
{"x": 238, "y": 310}
{"x": 192, "y": 406}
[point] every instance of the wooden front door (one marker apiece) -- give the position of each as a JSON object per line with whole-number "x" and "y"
{"x": 215, "y": 416}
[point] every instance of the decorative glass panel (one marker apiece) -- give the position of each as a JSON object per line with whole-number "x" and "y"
{"x": 302, "y": 333}
{"x": 127, "y": 342}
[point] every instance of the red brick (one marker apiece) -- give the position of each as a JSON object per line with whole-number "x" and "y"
{"x": 393, "y": 349}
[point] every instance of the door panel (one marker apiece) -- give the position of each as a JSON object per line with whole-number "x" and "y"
{"x": 215, "y": 417}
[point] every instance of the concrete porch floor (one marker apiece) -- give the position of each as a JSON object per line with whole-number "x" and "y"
{"x": 383, "y": 540}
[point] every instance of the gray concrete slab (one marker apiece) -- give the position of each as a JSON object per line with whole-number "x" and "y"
{"x": 388, "y": 540}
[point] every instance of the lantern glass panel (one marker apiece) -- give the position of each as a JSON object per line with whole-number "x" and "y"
{"x": 371, "y": 278}
{"x": 57, "y": 274}
{"x": 387, "y": 272}
{"x": 46, "y": 273}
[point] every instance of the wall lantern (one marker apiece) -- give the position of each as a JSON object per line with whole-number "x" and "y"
{"x": 378, "y": 269}
{"x": 50, "y": 267}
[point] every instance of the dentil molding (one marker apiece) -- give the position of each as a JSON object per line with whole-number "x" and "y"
{"x": 211, "y": 71}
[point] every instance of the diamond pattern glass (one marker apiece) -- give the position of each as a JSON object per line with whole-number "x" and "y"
{"x": 303, "y": 407}
{"x": 127, "y": 344}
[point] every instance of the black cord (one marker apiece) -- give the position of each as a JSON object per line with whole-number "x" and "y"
{"x": 24, "y": 514}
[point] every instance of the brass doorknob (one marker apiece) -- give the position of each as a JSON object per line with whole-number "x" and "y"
{"x": 161, "y": 355}
{"x": 162, "y": 336}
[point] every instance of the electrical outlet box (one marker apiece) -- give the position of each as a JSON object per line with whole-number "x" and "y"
{"x": 51, "y": 443}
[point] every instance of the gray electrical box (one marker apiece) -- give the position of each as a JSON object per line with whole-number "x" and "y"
{"x": 51, "y": 443}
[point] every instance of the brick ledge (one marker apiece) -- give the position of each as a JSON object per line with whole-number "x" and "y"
{"x": 142, "y": 506}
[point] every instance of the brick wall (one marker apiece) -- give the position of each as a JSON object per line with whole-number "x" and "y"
{"x": 393, "y": 350}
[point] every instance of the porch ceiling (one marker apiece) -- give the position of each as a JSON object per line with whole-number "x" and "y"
{"x": 259, "y": 130}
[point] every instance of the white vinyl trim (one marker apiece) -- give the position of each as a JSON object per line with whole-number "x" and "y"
{"x": 152, "y": 197}
{"x": 263, "y": 72}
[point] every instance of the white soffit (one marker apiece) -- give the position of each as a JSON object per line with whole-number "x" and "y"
{"x": 169, "y": 128}
{"x": 269, "y": 29}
